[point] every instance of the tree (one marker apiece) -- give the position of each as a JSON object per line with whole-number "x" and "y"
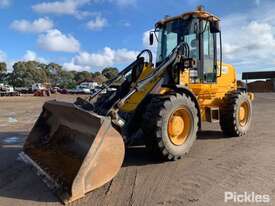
{"x": 3, "y": 67}
{"x": 66, "y": 79}
{"x": 53, "y": 72}
{"x": 6, "y": 78}
{"x": 110, "y": 72}
{"x": 27, "y": 73}
{"x": 99, "y": 78}
{"x": 3, "y": 70}
{"x": 83, "y": 76}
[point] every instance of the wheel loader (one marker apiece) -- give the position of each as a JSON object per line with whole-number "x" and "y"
{"x": 78, "y": 147}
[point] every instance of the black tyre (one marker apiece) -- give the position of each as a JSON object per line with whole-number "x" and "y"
{"x": 170, "y": 126}
{"x": 236, "y": 114}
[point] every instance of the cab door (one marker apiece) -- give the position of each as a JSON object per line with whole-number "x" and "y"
{"x": 205, "y": 84}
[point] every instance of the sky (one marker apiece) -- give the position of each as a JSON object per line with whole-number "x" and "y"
{"x": 92, "y": 34}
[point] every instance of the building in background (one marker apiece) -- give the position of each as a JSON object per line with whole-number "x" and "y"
{"x": 265, "y": 83}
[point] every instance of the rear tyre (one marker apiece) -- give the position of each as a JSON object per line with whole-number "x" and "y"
{"x": 236, "y": 114}
{"x": 170, "y": 126}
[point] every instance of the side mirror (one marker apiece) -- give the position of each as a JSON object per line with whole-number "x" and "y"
{"x": 215, "y": 27}
{"x": 151, "y": 39}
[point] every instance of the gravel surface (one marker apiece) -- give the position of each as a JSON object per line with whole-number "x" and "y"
{"x": 216, "y": 164}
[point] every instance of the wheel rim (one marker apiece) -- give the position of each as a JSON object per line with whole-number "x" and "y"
{"x": 179, "y": 126}
{"x": 244, "y": 113}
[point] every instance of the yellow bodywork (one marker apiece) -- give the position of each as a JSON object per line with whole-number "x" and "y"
{"x": 132, "y": 103}
{"x": 209, "y": 95}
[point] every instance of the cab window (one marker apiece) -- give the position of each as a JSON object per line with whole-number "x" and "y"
{"x": 209, "y": 70}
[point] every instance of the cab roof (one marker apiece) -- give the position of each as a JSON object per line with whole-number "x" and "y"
{"x": 199, "y": 13}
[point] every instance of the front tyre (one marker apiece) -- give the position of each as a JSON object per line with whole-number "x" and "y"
{"x": 170, "y": 125}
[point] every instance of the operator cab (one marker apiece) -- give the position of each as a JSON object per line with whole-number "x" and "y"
{"x": 199, "y": 31}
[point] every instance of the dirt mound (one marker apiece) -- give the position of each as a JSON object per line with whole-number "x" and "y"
{"x": 260, "y": 86}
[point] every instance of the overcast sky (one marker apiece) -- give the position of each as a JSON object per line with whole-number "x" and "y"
{"x": 91, "y": 34}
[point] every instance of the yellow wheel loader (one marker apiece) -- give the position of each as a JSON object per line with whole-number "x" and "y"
{"x": 78, "y": 147}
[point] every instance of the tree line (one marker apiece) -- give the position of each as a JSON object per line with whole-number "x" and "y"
{"x": 26, "y": 73}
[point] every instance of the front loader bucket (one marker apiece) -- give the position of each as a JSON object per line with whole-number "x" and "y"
{"x": 75, "y": 150}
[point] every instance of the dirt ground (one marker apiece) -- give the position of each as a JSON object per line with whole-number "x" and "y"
{"x": 216, "y": 164}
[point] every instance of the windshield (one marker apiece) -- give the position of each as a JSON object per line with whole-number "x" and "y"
{"x": 175, "y": 32}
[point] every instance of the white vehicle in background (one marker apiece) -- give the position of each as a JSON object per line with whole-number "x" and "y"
{"x": 86, "y": 87}
{"x": 7, "y": 90}
{"x": 38, "y": 87}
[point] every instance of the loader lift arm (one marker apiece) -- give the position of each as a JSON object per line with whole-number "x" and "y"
{"x": 111, "y": 103}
